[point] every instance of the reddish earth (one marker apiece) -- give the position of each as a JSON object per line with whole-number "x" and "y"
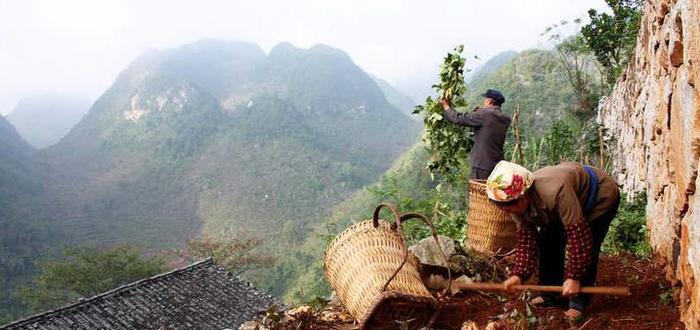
{"x": 653, "y": 305}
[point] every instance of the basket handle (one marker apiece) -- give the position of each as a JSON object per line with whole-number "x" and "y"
{"x": 392, "y": 208}
{"x": 433, "y": 232}
{"x": 396, "y": 226}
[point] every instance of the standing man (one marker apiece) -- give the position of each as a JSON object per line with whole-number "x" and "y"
{"x": 562, "y": 210}
{"x": 490, "y": 128}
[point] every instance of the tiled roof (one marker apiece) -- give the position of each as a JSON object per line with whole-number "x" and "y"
{"x": 200, "y": 296}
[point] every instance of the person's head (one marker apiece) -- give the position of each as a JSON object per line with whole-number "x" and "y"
{"x": 488, "y": 102}
{"x": 493, "y": 98}
{"x": 507, "y": 187}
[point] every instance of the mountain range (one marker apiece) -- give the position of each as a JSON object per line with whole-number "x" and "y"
{"x": 211, "y": 138}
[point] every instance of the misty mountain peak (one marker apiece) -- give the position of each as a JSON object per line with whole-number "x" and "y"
{"x": 285, "y": 49}
{"x": 172, "y": 99}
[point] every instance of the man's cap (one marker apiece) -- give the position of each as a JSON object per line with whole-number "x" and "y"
{"x": 495, "y": 95}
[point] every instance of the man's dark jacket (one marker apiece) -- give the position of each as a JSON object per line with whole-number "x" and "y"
{"x": 490, "y": 129}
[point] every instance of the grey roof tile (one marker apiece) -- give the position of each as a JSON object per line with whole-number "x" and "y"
{"x": 200, "y": 296}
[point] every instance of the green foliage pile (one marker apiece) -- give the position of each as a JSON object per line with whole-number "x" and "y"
{"x": 85, "y": 272}
{"x": 628, "y": 231}
{"x": 449, "y": 143}
{"x": 612, "y": 37}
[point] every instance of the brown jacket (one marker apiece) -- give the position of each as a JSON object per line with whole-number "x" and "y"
{"x": 561, "y": 191}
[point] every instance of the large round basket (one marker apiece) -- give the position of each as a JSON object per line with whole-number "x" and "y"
{"x": 375, "y": 276}
{"x": 489, "y": 229}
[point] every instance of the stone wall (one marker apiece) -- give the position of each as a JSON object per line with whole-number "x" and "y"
{"x": 654, "y": 116}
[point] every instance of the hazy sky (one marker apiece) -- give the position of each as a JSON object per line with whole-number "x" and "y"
{"x": 77, "y": 47}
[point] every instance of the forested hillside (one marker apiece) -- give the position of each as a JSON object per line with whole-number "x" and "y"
{"x": 214, "y": 138}
{"x": 396, "y": 97}
{"x": 537, "y": 81}
{"x": 21, "y": 232}
{"x": 484, "y": 71}
{"x": 233, "y": 140}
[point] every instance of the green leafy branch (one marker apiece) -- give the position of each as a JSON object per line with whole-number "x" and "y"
{"x": 449, "y": 143}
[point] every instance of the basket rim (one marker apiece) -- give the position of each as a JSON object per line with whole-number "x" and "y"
{"x": 429, "y": 303}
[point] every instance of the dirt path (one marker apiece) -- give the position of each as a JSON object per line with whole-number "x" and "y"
{"x": 651, "y": 306}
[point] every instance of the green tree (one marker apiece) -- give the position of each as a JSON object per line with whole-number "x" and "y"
{"x": 577, "y": 61}
{"x": 579, "y": 64}
{"x": 292, "y": 232}
{"x": 6, "y": 318}
{"x": 612, "y": 38}
{"x": 85, "y": 272}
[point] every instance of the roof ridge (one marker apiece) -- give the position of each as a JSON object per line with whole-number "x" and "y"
{"x": 250, "y": 285}
{"x": 200, "y": 263}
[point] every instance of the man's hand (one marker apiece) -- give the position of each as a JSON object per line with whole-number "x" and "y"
{"x": 571, "y": 287}
{"x": 511, "y": 281}
{"x": 445, "y": 104}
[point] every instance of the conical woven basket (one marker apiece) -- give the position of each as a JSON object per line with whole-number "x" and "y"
{"x": 489, "y": 229}
{"x": 375, "y": 276}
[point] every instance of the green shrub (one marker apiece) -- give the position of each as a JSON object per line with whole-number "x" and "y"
{"x": 628, "y": 231}
{"x": 445, "y": 206}
{"x": 85, "y": 272}
{"x": 6, "y": 318}
{"x": 612, "y": 36}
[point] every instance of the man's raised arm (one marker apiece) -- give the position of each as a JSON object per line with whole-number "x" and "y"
{"x": 472, "y": 119}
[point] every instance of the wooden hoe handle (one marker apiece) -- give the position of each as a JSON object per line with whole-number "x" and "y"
{"x": 606, "y": 290}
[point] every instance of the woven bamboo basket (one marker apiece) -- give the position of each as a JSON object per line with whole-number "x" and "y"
{"x": 489, "y": 229}
{"x": 375, "y": 276}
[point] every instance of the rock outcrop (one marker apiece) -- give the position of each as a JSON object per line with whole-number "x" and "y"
{"x": 653, "y": 115}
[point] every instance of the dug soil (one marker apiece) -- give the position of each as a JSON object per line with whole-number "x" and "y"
{"x": 653, "y": 305}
